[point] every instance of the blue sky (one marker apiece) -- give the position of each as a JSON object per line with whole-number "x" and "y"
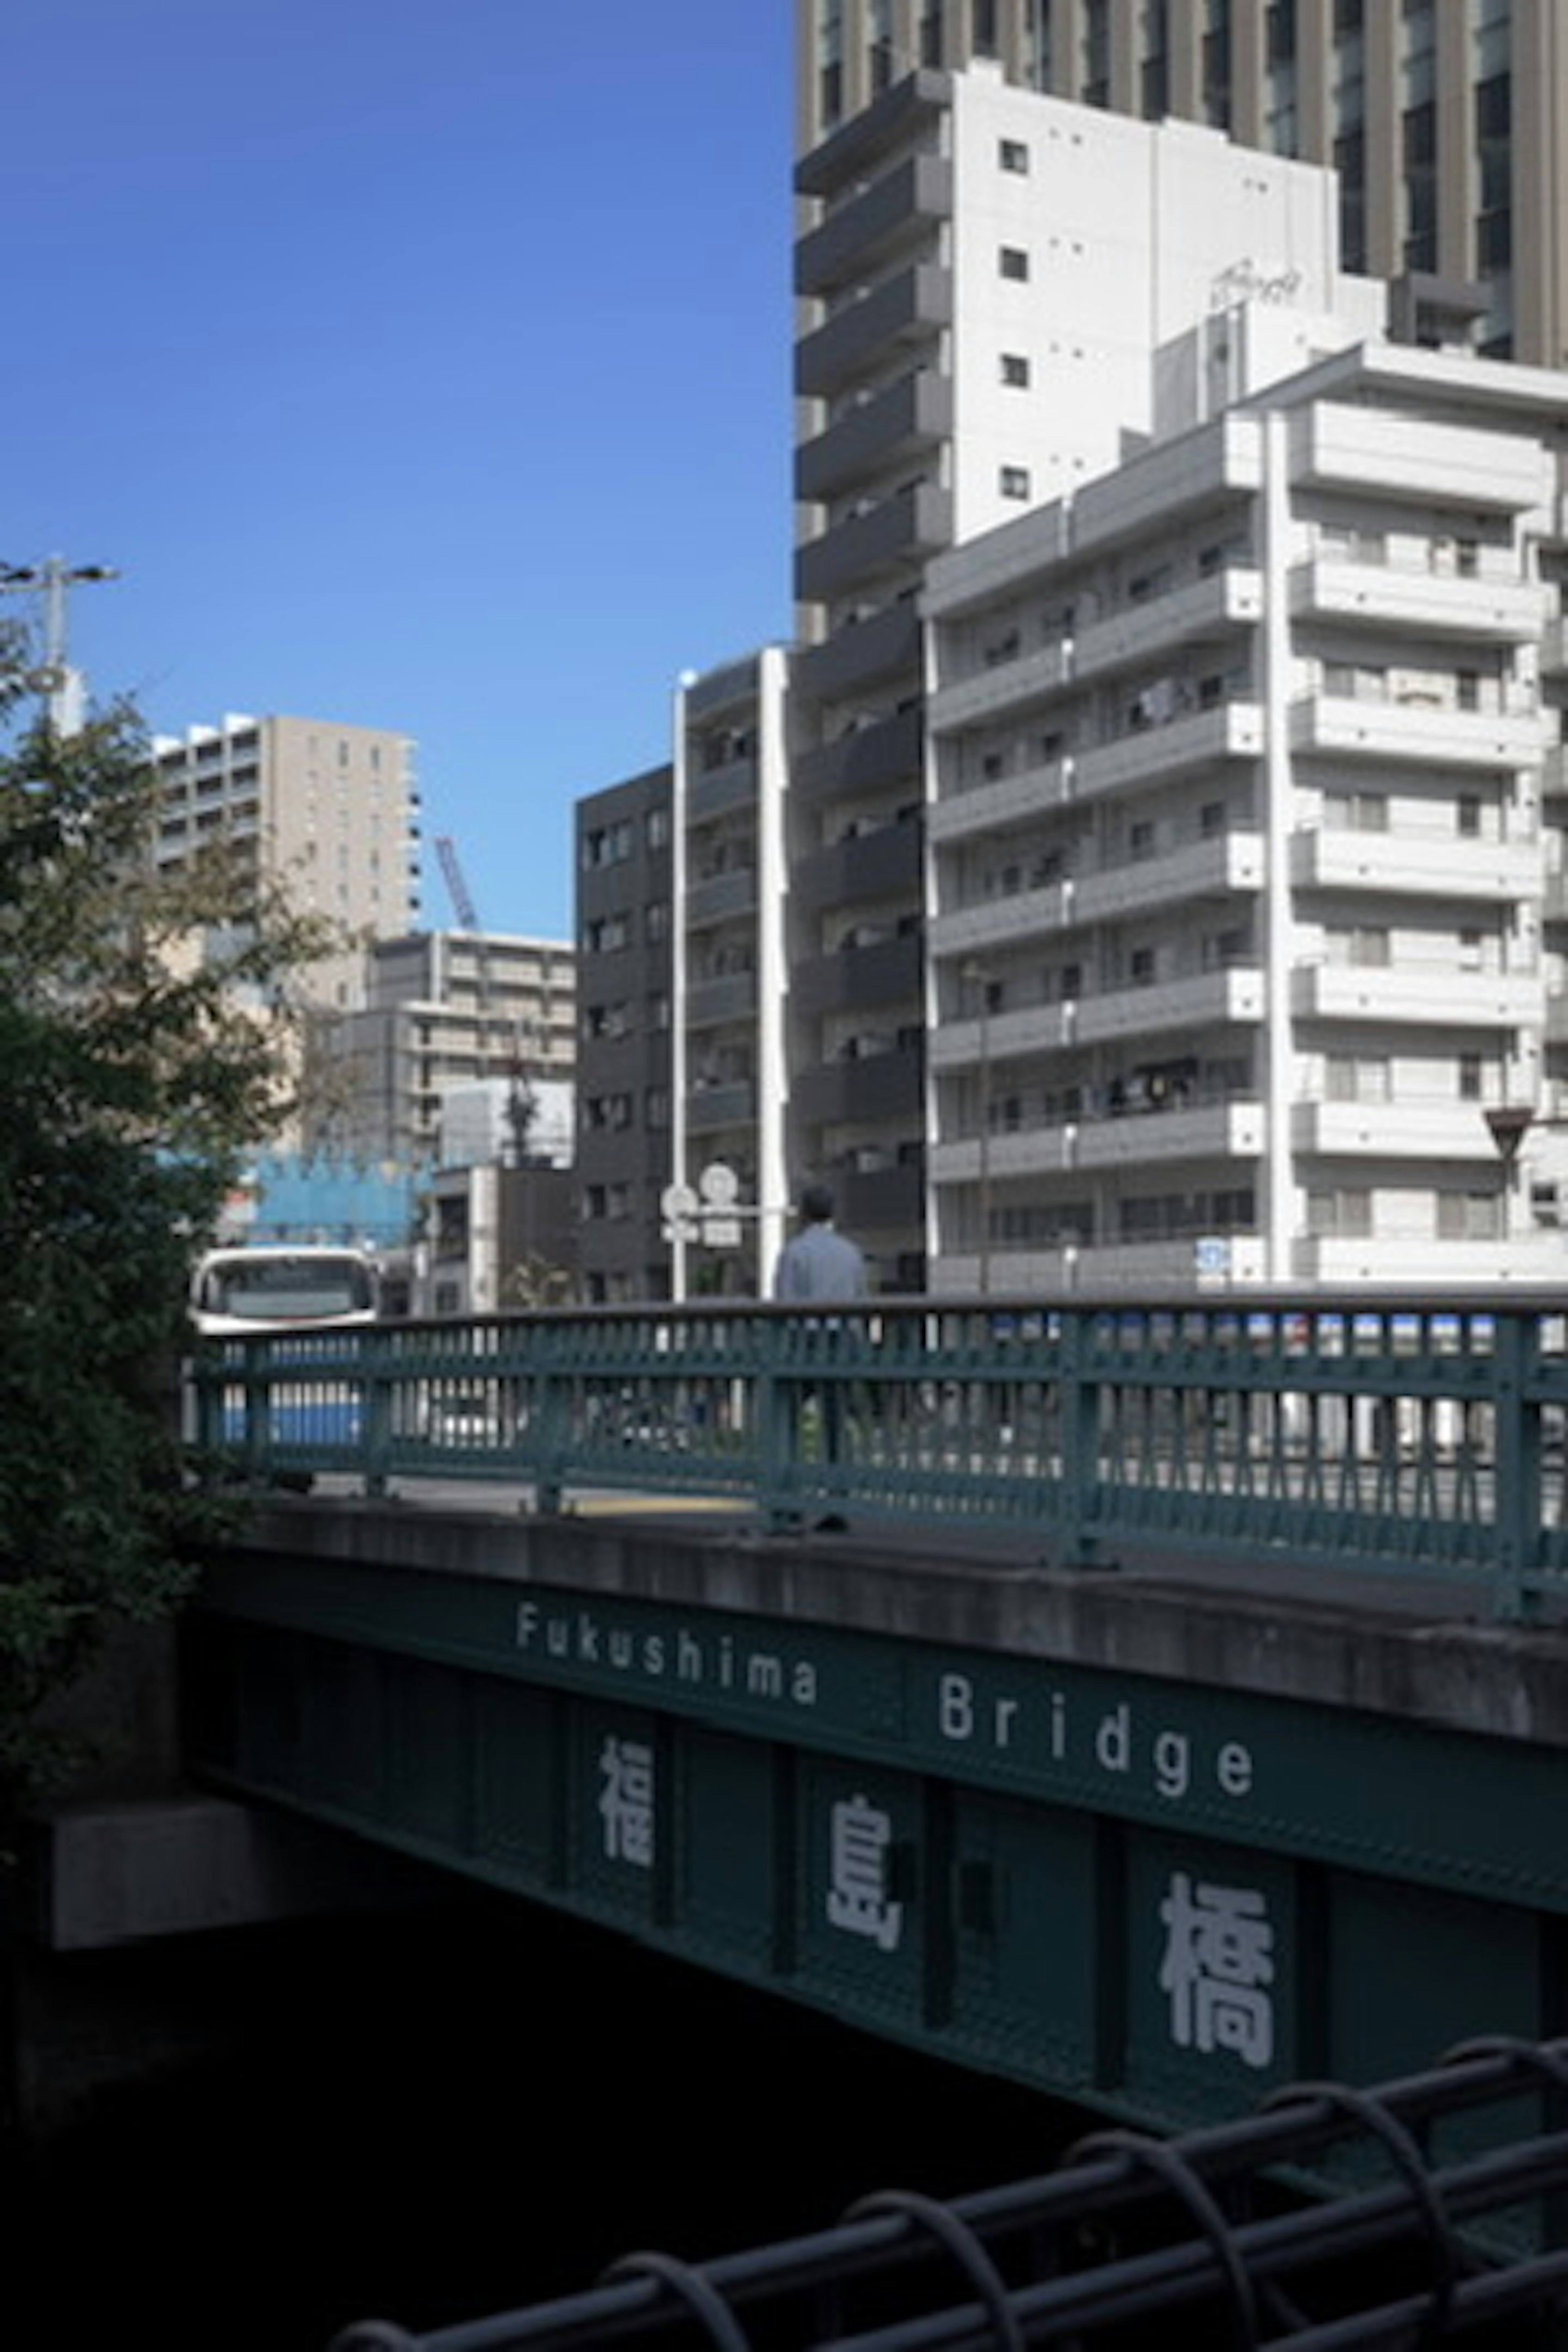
{"x": 420, "y": 363}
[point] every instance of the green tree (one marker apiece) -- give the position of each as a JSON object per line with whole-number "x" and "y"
{"x": 140, "y": 1020}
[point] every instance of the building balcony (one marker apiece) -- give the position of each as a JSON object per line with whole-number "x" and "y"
{"x": 717, "y": 792}
{"x": 1426, "y": 1264}
{"x": 887, "y": 752}
{"x": 909, "y": 203}
{"x": 1203, "y": 1133}
{"x": 888, "y": 429}
{"x": 1423, "y": 996}
{"x": 913, "y": 106}
{"x": 1161, "y": 754}
{"x": 863, "y": 656}
{"x": 872, "y": 1086}
{"x": 882, "y": 863}
{"x": 1435, "y": 737}
{"x": 1446, "y": 1131}
{"x": 1499, "y": 873}
{"x": 1003, "y": 690}
{"x": 1424, "y": 604}
{"x": 1231, "y": 863}
{"x": 1234, "y": 995}
{"x": 1219, "y": 467}
{"x": 730, "y": 996}
{"x": 880, "y": 1200}
{"x": 1228, "y": 600}
{"x": 883, "y": 543}
{"x": 913, "y": 307}
{"x": 723, "y": 898}
{"x": 1391, "y": 456}
{"x": 710, "y": 1109}
{"x": 884, "y": 972}
{"x": 978, "y": 810}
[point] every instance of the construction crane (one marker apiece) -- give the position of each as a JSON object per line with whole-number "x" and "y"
{"x": 457, "y": 887}
{"x": 521, "y": 1103}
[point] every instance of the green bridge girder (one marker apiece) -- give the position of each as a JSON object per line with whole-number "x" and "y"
{"x": 1151, "y": 1845}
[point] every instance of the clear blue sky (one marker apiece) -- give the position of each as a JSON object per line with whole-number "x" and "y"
{"x": 420, "y": 363}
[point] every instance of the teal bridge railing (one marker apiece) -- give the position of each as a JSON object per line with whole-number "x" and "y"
{"x": 1373, "y": 1433}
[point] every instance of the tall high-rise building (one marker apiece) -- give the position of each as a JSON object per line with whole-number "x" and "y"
{"x": 1447, "y": 120}
{"x": 326, "y": 812}
{"x": 1176, "y": 720}
{"x": 977, "y": 337}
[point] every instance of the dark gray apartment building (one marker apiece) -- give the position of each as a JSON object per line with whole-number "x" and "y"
{"x": 625, "y": 996}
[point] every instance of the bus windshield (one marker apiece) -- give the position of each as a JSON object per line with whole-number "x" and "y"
{"x": 250, "y": 1289}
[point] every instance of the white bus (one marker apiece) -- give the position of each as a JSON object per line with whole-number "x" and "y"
{"x": 235, "y": 1292}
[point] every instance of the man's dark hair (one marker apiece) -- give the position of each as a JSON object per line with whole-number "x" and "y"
{"x": 816, "y": 1204}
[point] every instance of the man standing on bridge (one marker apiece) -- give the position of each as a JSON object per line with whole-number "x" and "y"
{"x": 818, "y": 1266}
{"x": 820, "y": 1262}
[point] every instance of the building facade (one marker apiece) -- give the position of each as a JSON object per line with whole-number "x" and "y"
{"x": 626, "y": 988}
{"x": 326, "y": 813}
{"x": 730, "y": 977}
{"x": 978, "y": 331}
{"x": 1445, "y": 121}
{"x": 445, "y": 1013}
{"x": 1247, "y": 778}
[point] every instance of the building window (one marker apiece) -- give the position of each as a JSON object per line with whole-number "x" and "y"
{"x": 1471, "y": 1072}
{"x": 1013, "y": 155}
{"x": 1014, "y": 481}
{"x": 1468, "y": 1216}
{"x": 1467, "y": 815}
{"x": 1356, "y": 812}
{"x": 1013, "y": 262}
{"x": 1359, "y": 1078}
{"x": 1015, "y": 370}
{"x": 1344, "y": 1213}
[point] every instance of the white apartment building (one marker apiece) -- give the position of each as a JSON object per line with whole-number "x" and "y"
{"x": 327, "y": 811}
{"x": 1246, "y": 820}
{"x": 445, "y": 1013}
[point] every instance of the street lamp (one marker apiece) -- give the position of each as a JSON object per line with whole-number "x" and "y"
{"x": 979, "y": 975}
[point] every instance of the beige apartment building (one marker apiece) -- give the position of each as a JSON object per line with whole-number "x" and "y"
{"x": 1447, "y": 120}
{"x": 328, "y": 811}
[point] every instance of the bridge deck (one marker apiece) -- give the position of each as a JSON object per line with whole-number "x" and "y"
{"x": 1401, "y": 1646}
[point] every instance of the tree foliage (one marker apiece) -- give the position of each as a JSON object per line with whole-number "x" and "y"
{"x": 139, "y": 1054}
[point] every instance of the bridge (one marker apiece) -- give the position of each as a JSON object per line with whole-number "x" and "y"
{"x": 1158, "y": 1703}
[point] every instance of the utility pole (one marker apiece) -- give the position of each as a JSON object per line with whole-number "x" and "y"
{"x": 61, "y": 686}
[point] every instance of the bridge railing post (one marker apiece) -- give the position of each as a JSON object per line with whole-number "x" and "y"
{"x": 1080, "y": 1422}
{"x": 256, "y": 1381}
{"x": 779, "y": 1397}
{"x": 377, "y": 1372}
{"x": 550, "y": 1422}
{"x": 1516, "y": 1470}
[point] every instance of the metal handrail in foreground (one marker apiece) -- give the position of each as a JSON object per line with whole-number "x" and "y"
{"x": 1177, "y": 2236}
{"x": 1370, "y": 1432}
